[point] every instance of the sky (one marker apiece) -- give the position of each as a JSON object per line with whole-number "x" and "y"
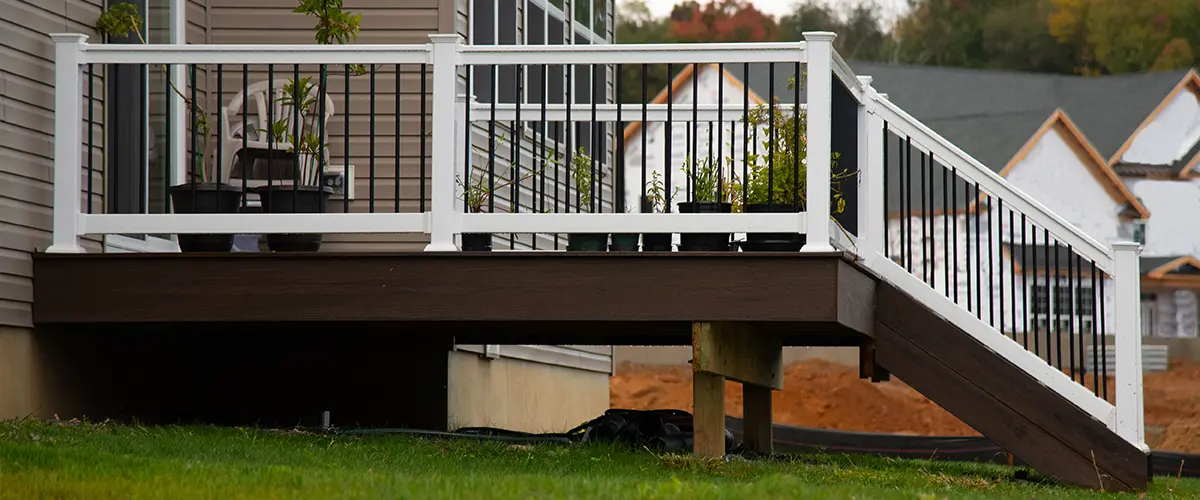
{"x": 775, "y": 8}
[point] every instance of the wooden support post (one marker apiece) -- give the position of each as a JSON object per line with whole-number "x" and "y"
{"x": 708, "y": 418}
{"x": 740, "y": 353}
{"x": 756, "y": 412}
{"x": 867, "y": 366}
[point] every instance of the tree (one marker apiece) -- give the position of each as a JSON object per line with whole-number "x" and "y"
{"x": 1127, "y": 36}
{"x": 635, "y": 24}
{"x": 861, "y": 32}
{"x": 721, "y": 21}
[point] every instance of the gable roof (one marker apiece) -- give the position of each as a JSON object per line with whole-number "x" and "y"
{"x": 1184, "y": 164}
{"x": 1160, "y": 267}
{"x": 991, "y": 114}
{"x": 684, "y": 78}
{"x": 1108, "y": 178}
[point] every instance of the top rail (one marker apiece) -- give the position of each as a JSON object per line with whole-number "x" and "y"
{"x": 990, "y": 181}
{"x": 635, "y": 53}
{"x": 253, "y": 54}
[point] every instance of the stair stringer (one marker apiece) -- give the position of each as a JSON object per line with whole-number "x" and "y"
{"x": 998, "y": 388}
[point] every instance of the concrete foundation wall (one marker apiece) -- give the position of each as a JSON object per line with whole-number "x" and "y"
{"x": 21, "y": 393}
{"x": 522, "y": 395}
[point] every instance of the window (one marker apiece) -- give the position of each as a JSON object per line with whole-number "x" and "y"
{"x": 1073, "y": 307}
{"x": 1139, "y": 231}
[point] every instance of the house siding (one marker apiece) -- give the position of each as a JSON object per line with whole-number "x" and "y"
{"x": 1172, "y": 133}
{"x": 27, "y": 139}
{"x": 383, "y": 22}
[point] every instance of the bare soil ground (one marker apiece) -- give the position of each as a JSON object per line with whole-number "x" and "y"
{"x": 828, "y": 395}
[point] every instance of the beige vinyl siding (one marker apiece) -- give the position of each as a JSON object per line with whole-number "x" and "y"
{"x": 383, "y": 21}
{"x": 27, "y": 139}
{"x": 587, "y": 358}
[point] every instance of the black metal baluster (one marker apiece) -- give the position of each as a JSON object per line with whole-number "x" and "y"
{"x": 1032, "y": 291}
{"x": 346, "y": 135}
{"x": 491, "y": 168}
{"x": 695, "y": 123}
{"x": 720, "y": 129}
{"x": 746, "y": 136}
{"x": 1103, "y": 342}
{"x": 931, "y": 216}
{"x": 1071, "y": 309}
{"x": 322, "y": 93}
{"x": 1049, "y": 304}
{"x": 217, "y": 163}
{"x": 1056, "y": 312}
{"x": 1079, "y": 312}
{"x": 668, "y": 162}
{"x": 371, "y": 135}
{"x": 1095, "y": 334}
{"x": 570, "y": 149}
{"x": 1012, "y": 273}
{"x": 466, "y": 178}
{"x": 247, "y": 165}
{"x": 925, "y": 260}
{"x": 978, "y": 258}
{"x": 991, "y": 282}
{"x": 1025, "y": 289}
{"x": 596, "y": 199}
{"x": 301, "y": 92}
{"x": 91, "y": 144}
{"x": 619, "y": 132}
{"x": 771, "y": 134}
{"x": 887, "y": 190}
{"x": 518, "y": 132}
{"x": 424, "y": 134}
{"x": 196, "y": 155}
{"x": 946, "y": 243}
{"x": 645, "y": 130}
{"x": 906, "y": 203}
{"x": 954, "y": 222}
{"x": 971, "y": 207}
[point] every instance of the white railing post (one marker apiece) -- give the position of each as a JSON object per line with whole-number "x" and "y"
{"x": 1127, "y": 313}
{"x": 442, "y": 217}
{"x": 872, "y": 221}
{"x": 68, "y": 118}
{"x": 819, "y": 85}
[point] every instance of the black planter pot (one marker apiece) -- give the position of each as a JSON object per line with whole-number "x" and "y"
{"x": 587, "y": 242}
{"x": 773, "y": 242}
{"x": 624, "y": 242}
{"x": 206, "y": 198}
{"x": 477, "y": 242}
{"x": 704, "y": 242}
{"x": 294, "y": 200}
{"x": 656, "y": 242}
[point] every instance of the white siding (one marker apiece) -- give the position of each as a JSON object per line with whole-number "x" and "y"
{"x": 1173, "y": 228}
{"x": 1172, "y": 133}
{"x": 1056, "y": 176}
{"x": 730, "y": 137}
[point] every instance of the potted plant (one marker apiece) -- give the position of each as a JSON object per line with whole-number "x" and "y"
{"x": 306, "y": 194}
{"x": 709, "y": 196}
{"x": 582, "y": 170}
{"x": 776, "y": 181}
{"x": 655, "y": 202}
{"x": 476, "y": 194}
{"x": 203, "y": 193}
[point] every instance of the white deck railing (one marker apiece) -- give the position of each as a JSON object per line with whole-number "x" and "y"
{"x": 444, "y": 217}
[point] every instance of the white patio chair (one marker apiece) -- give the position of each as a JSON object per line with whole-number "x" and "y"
{"x": 262, "y": 109}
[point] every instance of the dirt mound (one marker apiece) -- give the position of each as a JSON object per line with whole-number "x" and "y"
{"x": 827, "y": 395}
{"x": 817, "y": 394}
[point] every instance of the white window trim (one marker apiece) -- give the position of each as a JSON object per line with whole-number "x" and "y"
{"x": 1083, "y": 322}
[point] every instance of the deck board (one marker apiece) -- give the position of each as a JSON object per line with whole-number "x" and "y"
{"x": 498, "y": 297}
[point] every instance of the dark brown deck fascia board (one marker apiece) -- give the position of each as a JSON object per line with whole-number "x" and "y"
{"x": 452, "y": 286}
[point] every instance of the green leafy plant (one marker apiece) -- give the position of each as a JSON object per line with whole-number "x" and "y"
{"x": 656, "y": 193}
{"x": 705, "y": 176}
{"x": 585, "y": 183}
{"x": 477, "y": 192}
{"x": 301, "y": 99}
{"x": 122, "y": 20}
{"x": 334, "y": 26}
{"x": 779, "y": 173}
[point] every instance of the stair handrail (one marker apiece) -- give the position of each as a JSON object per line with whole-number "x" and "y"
{"x": 988, "y": 180}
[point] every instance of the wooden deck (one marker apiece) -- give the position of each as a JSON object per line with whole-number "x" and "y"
{"x": 495, "y": 298}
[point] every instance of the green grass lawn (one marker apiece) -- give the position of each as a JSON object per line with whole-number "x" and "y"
{"x": 57, "y": 460}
